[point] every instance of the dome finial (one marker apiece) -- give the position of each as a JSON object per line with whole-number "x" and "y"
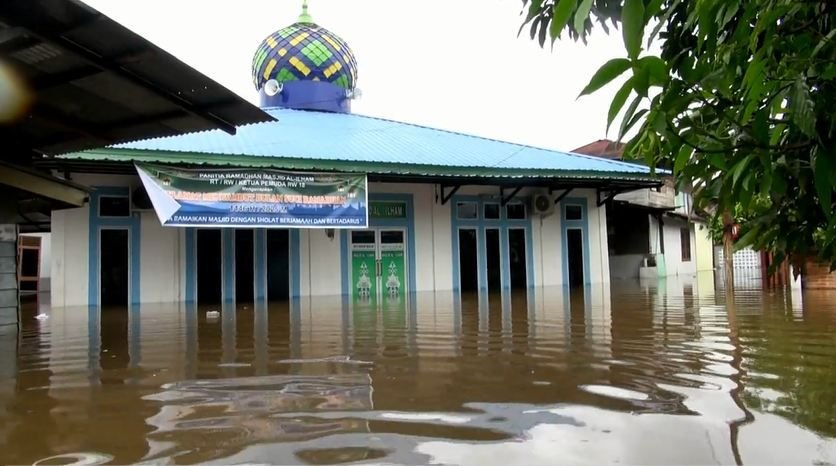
{"x": 305, "y": 17}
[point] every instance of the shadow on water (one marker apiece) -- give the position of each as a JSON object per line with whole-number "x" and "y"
{"x": 660, "y": 372}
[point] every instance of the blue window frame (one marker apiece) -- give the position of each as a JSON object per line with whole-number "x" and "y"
{"x": 480, "y": 224}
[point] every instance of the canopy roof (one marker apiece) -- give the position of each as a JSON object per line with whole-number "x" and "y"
{"x": 95, "y": 82}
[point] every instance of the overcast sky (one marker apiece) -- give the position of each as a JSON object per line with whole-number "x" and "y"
{"x": 451, "y": 64}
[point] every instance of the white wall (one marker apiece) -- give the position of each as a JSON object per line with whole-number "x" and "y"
{"x": 625, "y": 266}
{"x": 548, "y": 240}
{"x": 70, "y": 257}
{"x": 673, "y": 248}
{"x": 320, "y": 261}
{"x": 160, "y": 261}
{"x": 599, "y": 261}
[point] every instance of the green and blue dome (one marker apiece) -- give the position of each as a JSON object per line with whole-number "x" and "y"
{"x": 304, "y": 51}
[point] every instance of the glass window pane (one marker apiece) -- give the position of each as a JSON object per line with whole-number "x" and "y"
{"x": 492, "y": 211}
{"x": 362, "y": 237}
{"x": 110, "y": 206}
{"x": 515, "y": 211}
{"x": 391, "y": 237}
{"x": 467, "y": 210}
{"x": 685, "y": 244}
{"x": 574, "y": 212}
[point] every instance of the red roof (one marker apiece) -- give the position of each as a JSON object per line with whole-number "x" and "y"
{"x": 603, "y": 148}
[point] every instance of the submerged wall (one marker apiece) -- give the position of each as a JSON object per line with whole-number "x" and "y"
{"x": 163, "y": 264}
{"x": 704, "y": 245}
{"x": 8, "y": 274}
{"x": 676, "y": 260}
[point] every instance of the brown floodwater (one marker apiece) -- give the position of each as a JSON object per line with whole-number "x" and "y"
{"x": 673, "y": 373}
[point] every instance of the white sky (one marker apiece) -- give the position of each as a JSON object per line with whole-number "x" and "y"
{"x": 451, "y": 64}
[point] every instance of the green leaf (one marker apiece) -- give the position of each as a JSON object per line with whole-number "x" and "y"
{"x": 608, "y": 71}
{"x": 618, "y": 101}
{"x": 663, "y": 21}
{"x": 656, "y": 68}
{"x": 823, "y": 42}
{"x": 628, "y": 115}
{"x": 746, "y": 240}
{"x": 560, "y": 17}
{"x": 779, "y": 185}
{"x": 823, "y": 170}
{"x": 634, "y": 120}
{"x": 717, "y": 161}
{"x": 653, "y": 7}
{"x": 829, "y": 72}
{"x": 740, "y": 167}
{"x": 533, "y": 10}
{"x": 760, "y": 128}
{"x": 731, "y": 10}
{"x": 581, "y": 15}
{"x": 682, "y": 159}
{"x": 632, "y": 17}
{"x": 641, "y": 80}
{"x": 802, "y": 107}
{"x": 767, "y": 20}
{"x": 753, "y": 83}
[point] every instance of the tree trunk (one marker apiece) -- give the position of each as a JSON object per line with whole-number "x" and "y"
{"x": 728, "y": 252}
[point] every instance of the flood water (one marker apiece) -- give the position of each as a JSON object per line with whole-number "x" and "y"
{"x": 633, "y": 374}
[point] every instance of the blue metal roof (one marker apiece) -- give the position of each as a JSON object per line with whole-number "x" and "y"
{"x": 354, "y": 138}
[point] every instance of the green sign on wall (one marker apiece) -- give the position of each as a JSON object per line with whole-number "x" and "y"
{"x": 394, "y": 273}
{"x": 387, "y": 209}
{"x": 364, "y": 273}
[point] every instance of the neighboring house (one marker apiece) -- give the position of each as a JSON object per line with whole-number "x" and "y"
{"x": 652, "y": 232}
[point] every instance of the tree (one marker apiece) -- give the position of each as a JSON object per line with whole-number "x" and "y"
{"x": 739, "y": 104}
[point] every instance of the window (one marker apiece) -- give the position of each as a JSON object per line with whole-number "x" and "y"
{"x": 492, "y": 211}
{"x": 515, "y": 211}
{"x": 467, "y": 210}
{"x": 574, "y": 212}
{"x": 685, "y": 243}
{"x": 113, "y": 206}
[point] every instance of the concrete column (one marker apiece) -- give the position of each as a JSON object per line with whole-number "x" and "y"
{"x": 9, "y": 300}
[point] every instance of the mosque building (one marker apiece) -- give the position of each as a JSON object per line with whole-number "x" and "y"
{"x": 326, "y": 202}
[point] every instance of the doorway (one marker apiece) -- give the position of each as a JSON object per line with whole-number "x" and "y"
{"x": 518, "y": 257}
{"x": 244, "y": 266}
{"x": 278, "y": 265}
{"x": 494, "y": 260}
{"x": 378, "y": 264}
{"x": 574, "y": 237}
{"x": 468, "y": 260}
{"x": 209, "y": 266}
{"x": 113, "y": 267}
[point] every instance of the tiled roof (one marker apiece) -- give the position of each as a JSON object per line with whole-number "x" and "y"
{"x": 604, "y": 148}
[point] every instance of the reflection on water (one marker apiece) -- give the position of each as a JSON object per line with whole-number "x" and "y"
{"x": 666, "y": 372}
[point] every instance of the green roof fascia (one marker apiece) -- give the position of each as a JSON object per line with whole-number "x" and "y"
{"x": 307, "y": 164}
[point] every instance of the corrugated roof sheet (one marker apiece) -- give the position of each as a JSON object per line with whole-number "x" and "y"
{"x": 96, "y": 83}
{"x": 336, "y": 137}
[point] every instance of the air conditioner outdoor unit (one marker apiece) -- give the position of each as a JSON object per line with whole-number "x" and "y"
{"x": 542, "y": 204}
